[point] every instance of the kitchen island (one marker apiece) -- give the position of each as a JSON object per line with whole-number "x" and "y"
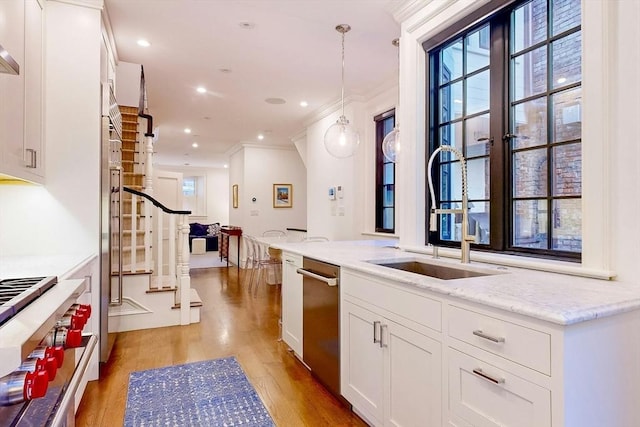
{"x": 510, "y": 347}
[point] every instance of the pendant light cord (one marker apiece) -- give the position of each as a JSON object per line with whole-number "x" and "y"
{"x": 343, "y": 74}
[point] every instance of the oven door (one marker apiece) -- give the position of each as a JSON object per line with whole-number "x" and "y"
{"x": 57, "y": 408}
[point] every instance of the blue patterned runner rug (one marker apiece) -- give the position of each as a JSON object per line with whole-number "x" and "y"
{"x": 209, "y": 393}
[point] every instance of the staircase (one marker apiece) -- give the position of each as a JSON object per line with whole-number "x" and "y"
{"x": 151, "y": 286}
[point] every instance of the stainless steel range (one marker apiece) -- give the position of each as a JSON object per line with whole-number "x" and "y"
{"x": 16, "y": 294}
{"x": 43, "y": 352}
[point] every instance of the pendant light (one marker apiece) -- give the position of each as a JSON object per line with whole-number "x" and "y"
{"x": 391, "y": 142}
{"x": 341, "y": 139}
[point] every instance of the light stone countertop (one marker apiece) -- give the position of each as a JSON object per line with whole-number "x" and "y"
{"x": 552, "y": 297}
{"x": 61, "y": 265}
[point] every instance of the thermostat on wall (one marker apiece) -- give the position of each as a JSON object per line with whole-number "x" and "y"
{"x": 339, "y": 192}
{"x": 332, "y": 193}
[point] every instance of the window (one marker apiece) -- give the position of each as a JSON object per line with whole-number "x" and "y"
{"x": 507, "y": 93}
{"x": 194, "y": 195}
{"x": 385, "y": 176}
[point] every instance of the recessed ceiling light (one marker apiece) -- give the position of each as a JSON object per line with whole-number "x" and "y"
{"x": 275, "y": 101}
{"x": 226, "y": 165}
{"x": 143, "y": 43}
{"x": 194, "y": 145}
{"x": 304, "y": 103}
{"x": 261, "y": 137}
{"x": 246, "y": 25}
{"x": 201, "y": 90}
{"x": 187, "y": 130}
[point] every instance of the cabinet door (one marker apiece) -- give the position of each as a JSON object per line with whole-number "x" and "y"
{"x": 413, "y": 377}
{"x": 33, "y": 90}
{"x": 483, "y": 395}
{"x": 12, "y": 88}
{"x": 292, "y": 303}
{"x": 361, "y": 364}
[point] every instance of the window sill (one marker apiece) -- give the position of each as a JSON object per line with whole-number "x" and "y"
{"x": 383, "y": 235}
{"x": 553, "y": 266}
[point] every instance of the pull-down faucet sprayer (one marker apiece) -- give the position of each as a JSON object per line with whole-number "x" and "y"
{"x": 466, "y": 239}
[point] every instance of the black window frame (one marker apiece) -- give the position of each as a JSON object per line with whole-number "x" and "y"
{"x": 380, "y": 121}
{"x": 498, "y": 14}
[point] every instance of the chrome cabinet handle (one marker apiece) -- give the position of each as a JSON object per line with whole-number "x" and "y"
{"x": 481, "y": 334}
{"x": 290, "y": 261}
{"x": 376, "y": 324}
{"x": 494, "y": 380}
{"x": 33, "y": 159}
{"x": 382, "y": 328}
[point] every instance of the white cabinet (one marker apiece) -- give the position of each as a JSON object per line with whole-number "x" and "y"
{"x": 482, "y": 394}
{"x": 21, "y": 96}
{"x": 390, "y": 373}
{"x": 292, "y": 302}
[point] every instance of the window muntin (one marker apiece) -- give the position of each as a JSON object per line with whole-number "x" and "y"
{"x": 521, "y": 139}
{"x": 385, "y": 177}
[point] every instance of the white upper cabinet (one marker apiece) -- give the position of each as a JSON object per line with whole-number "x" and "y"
{"x": 21, "y": 102}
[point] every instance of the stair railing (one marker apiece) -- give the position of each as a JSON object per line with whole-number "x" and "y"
{"x": 176, "y": 275}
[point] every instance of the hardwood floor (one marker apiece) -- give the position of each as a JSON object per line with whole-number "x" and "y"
{"x": 233, "y": 323}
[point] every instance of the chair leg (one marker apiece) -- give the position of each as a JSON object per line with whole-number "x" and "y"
{"x": 253, "y": 267}
{"x": 259, "y": 274}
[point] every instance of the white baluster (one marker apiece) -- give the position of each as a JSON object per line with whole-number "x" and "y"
{"x": 148, "y": 253}
{"x": 134, "y": 233}
{"x": 172, "y": 251}
{"x": 184, "y": 278}
{"x": 159, "y": 235}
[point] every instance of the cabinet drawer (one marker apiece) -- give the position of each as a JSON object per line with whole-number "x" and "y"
{"x": 417, "y": 308}
{"x": 514, "y": 342}
{"x": 481, "y": 394}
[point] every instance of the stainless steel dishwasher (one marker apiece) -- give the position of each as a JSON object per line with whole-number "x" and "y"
{"x": 320, "y": 322}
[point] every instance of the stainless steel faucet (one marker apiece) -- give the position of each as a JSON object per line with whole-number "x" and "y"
{"x": 466, "y": 239}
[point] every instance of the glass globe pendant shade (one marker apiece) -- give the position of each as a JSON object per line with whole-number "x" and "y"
{"x": 341, "y": 139}
{"x": 391, "y": 145}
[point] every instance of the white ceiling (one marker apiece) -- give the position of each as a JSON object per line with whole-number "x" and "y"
{"x": 292, "y": 52}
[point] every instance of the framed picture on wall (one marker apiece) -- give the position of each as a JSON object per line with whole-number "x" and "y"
{"x": 235, "y": 195}
{"x": 282, "y": 195}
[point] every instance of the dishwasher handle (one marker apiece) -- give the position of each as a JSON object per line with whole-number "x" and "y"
{"x": 331, "y": 281}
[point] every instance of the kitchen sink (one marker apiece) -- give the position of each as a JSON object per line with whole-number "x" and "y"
{"x": 433, "y": 270}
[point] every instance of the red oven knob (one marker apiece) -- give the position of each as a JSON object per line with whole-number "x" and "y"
{"x": 82, "y": 309}
{"x": 35, "y": 364}
{"x": 68, "y": 338}
{"x": 73, "y": 321}
{"x": 19, "y": 386}
{"x": 35, "y": 385}
{"x": 45, "y": 352}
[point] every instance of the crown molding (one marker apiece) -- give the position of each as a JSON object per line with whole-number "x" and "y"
{"x": 408, "y": 8}
{"x": 107, "y": 31}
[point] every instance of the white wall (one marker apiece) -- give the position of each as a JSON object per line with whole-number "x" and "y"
{"x": 217, "y": 192}
{"x": 336, "y": 219}
{"x": 255, "y": 169}
{"x": 128, "y": 84}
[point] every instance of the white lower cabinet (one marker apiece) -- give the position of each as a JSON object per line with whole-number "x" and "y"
{"x": 292, "y": 302}
{"x": 481, "y": 394}
{"x": 389, "y": 373}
